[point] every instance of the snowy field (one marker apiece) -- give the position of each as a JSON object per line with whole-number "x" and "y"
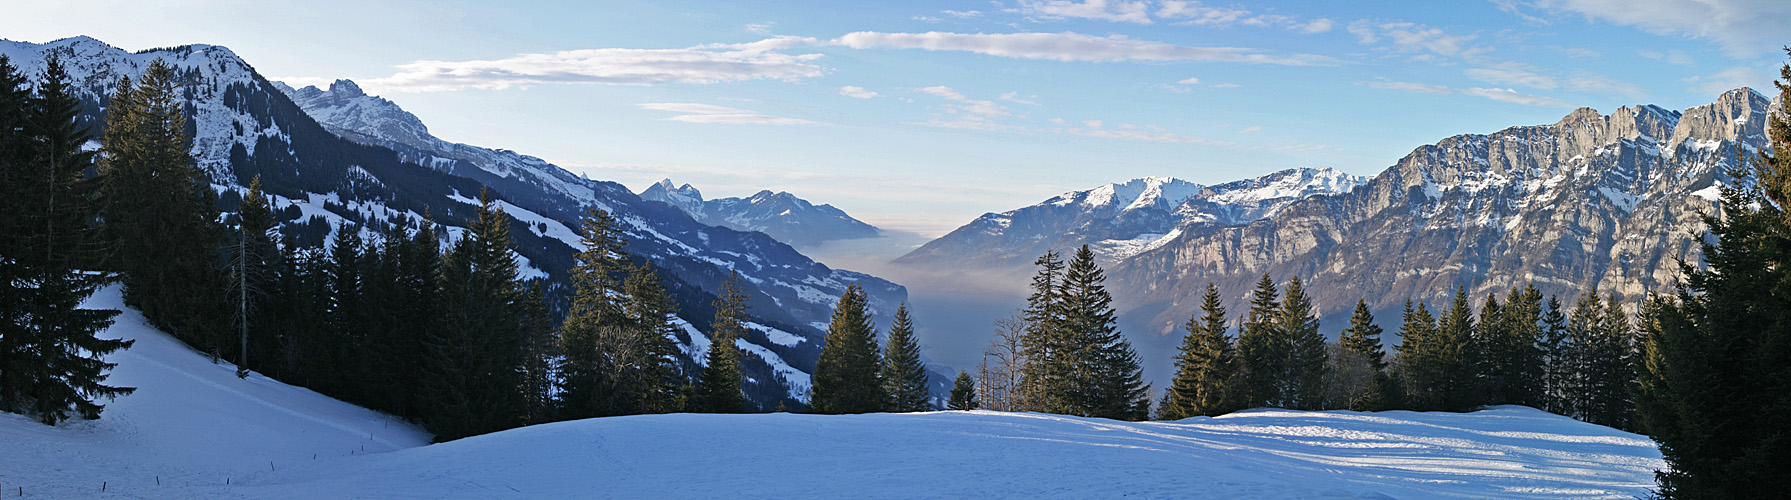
{"x": 193, "y": 425}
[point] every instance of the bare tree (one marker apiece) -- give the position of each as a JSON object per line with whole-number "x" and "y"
{"x": 998, "y": 385}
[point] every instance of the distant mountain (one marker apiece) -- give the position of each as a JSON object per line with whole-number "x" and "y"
{"x": 1606, "y": 202}
{"x": 1120, "y": 220}
{"x": 338, "y": 158}
{"x": 782, "y": 215}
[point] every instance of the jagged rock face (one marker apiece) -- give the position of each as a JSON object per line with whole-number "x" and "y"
{"x": 782, "y": 215}
{"x": 1121, "y": 220}
{"x": 1611, "y": 202}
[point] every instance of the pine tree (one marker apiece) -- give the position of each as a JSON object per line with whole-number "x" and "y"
{"x": 963, "y": 393}
{"x": 904, "y": 376}
{"x": 847, "y": 377}
{"x": 597, "y": 337}
{"x": 1363, "y": 338}
{"x": 1257, "y": 338}
{"x": 1105, "y": 378}
{"x": 1518, "y": 360}
{"x": 475, "y": 358}
{"x": 1717, "y": 385}
{"x": 718, "y": 390}
{"x": 1044, "y": 375}
{"x": 538, "y": 367}
{"x": 651, "y": 310}
{"x": 1205, "y": 365}
{"x": 1581, "y": 352}
{"x": 1301, "y": 384}
{"x": 1557, "y": 371}
{"x": 256, "y": 267}
{"x": 1420, "y": 367}
{"x": 50, "y": 362}
{"x": 159, "y": 213}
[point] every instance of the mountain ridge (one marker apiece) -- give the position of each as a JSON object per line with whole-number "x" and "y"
{"x": 780, "y": 214}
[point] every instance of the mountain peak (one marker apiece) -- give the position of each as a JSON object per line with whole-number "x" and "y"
{"x": 346, "y": 89}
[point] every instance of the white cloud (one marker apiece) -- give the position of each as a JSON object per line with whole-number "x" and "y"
{"x": 710, "y": 113}
{"x": 1092, "y": 123}
{"x": 1145, "y": 135}
{"x": 1513, "y": 77}
{"x": 1188, "y": 81}
{"x": 698, "y": 65}
{"x": 858, "y": 92}
{"x": 1014, "y": 97}
{"x": 961, "y": 14}
{"x": 1671, "y": 57}
{"x": 1409, "y": 37}
{"x": 1497, "y": 94}
{"x": 1730, "y": 79}
{"x": 760, "y": 28}
{"x": 1198, "y": 14}
{"x": 1101, "y": 10}
{"x": 1316, "y": 26}
{"x": 944, "y": 92}
{"x": 1511, "y": 96}
{"x": 1742, "y": 27}
{"x": 1226, "y": 85}
{"x": 1250, "y": 129}
{"x": 1067, "y": 47}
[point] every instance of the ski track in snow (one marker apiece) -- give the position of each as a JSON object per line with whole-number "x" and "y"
{"x": 194, "y": 425}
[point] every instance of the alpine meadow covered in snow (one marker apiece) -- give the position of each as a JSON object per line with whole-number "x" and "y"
{"x": 216, "y": 283}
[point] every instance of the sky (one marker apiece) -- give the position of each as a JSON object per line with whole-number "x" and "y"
{"x": 921, "y": 115}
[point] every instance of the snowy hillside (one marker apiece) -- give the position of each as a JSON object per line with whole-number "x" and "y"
{"x": 193, "y": 426}
{"x": 782, "y": 215}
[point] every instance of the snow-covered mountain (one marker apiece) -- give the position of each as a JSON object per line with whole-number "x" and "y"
{"x": 194, "y": 430}
{"x": 1611, "y": 202}
{"x": 782, "y": 215}
{"x": 1120, "y": 220}
{"x": 347, "y": 159}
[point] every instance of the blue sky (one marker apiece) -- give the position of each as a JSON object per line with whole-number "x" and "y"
{"x": 920, "y": 116}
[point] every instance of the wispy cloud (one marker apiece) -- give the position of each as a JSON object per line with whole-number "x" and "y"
{"x": 858, "y": 92}
{"x": 603, "y": 66}
{"x": 1497, "y": 94}
{"x": 1102, "y": 10}
{"x": 1670, "y": 57}
{"x": 1742, "y": 27}
{"x": 973, "y": 109}
{"x": 1069, "y": 47}
{"x": 710, "y": 113}
{"x": 1730, "y": 79}
{"x": 1583, "y": 82}
{"x": 1014, "y": 97}
{"x": 1188, "y": 81}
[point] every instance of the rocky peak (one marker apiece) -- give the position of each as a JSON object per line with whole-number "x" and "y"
{"x": 346, "y": 89}
{"x": 1736, "y": 114}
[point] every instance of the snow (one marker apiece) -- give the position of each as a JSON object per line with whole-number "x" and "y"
{"x": 192, "y": 424}
{"x": 1714, "y": 192}
{"x": 1622, "y": 200}
{"x": 777, "y": 336}
{"x": 796, "y": 382}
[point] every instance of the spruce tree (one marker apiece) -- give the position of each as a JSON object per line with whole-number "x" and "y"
{"x": 1557, "y": 371}
{"x": 1717, "y": 384}
{"x": 1204, "y": 365}
{"x": 1044, "y": 373}
{"x": 597, "y": 336}
{"x": 1363, "y": 337}
{"x": 1517, "y": 356}
{"x": 1257, "y": 338}
{"x": 1302, "y": 382}
{"x": 718, "y": 390}
{"x": 256, "y": 267}
{"x": 159, "y": 213}
{"x": 904, "y": 376}
{"x": 963, "y": 393}
{"x": 476, "y": 356}
{"x": 1110, "y": 381}
{"x": 1419, "y": 367}
{"x": 51, "y": 365}
{"x": 651, "y": 311}
{"x": 847, "y": 375}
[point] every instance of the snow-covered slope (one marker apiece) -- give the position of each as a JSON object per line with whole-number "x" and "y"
{"x": 1122, "y": 219}
{"x": 190, "y": 424}
{"x": 782, "y": 215}
{"x": 193, "y": 426}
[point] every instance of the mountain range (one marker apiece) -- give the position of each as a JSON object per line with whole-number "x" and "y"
{"x": 338, "y": 158}
{"x": 1593, "y": 202}
{"x": 782, "y": 215}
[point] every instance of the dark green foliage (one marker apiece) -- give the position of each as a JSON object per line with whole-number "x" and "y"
{"x": 1282, "y": 350}
{"x": 159, "y": 215}
{"x": 1258, "y": 362}
{"x": 255, "y": 269}
{"x": 904, "y": 376}
{"x": 718, "y": 390}
{"x": 1716, "y": 390}
{"x": 615, "y": 336}
{"x": 1077, "y": 362}
{"x": 1512, "y": 368}
{"x": 1557, "y": 369}
{"x": 50, "y": 361}
{"x": 847, "y": 377}
{"x": 1205, "y": 366}
{"x": 1363, "y": 338}
{"x": 474, "y": 362}
{"x": 963, "y": 393}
